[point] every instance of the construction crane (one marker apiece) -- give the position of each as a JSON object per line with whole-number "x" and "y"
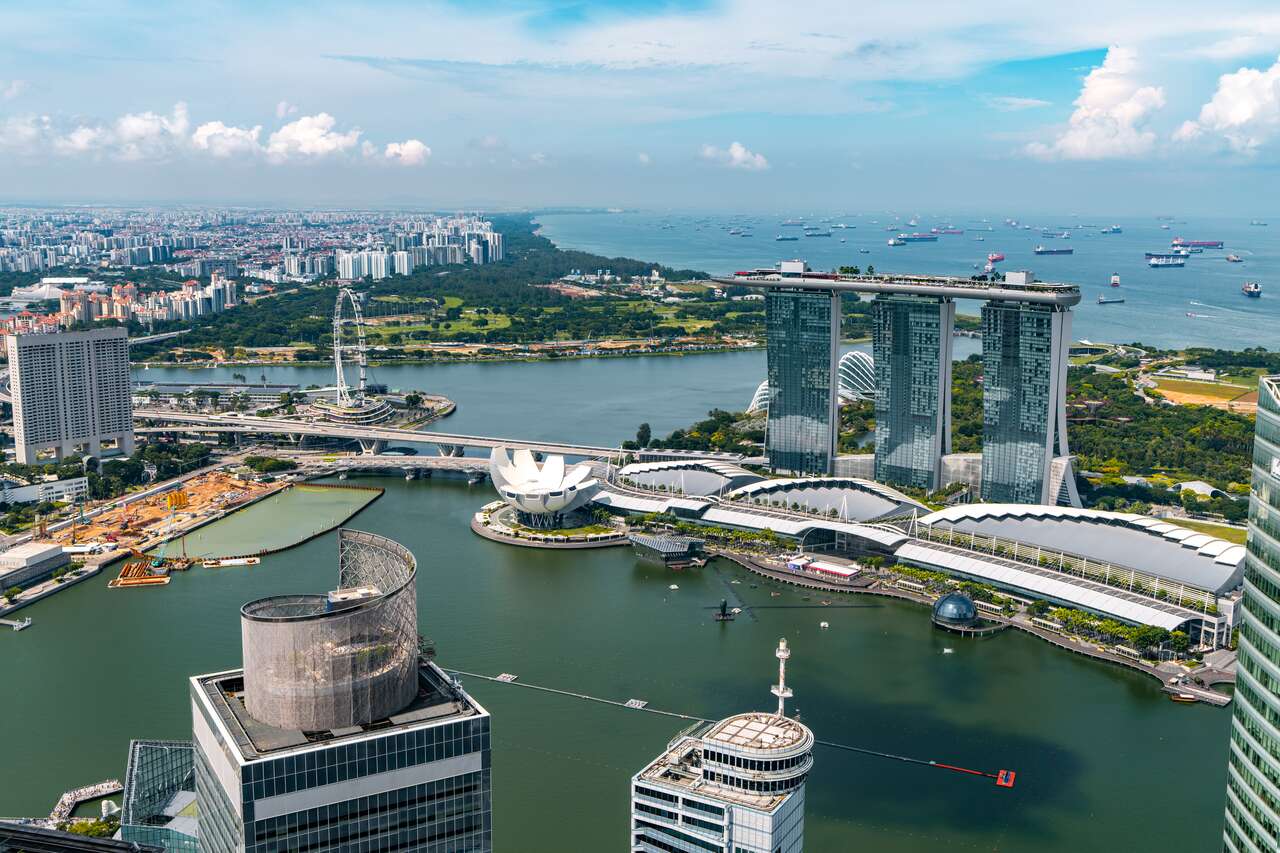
{"x": 175, "y": 500}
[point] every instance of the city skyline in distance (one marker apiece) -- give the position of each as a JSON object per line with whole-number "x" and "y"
{"x": 637, "y": 103}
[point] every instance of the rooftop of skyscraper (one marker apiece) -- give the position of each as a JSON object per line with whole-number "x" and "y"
{"x": 438, "y": 700}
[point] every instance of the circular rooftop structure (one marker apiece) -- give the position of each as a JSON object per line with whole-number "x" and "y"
{"x": 955, "y": 610}
{"x": 348, "y": 658}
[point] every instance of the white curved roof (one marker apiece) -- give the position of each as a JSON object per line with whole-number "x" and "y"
{"x": 854, "y": 499}
{"x": 760, "y": 399}
{"x": 1072, "y": 591}
{"x": 717, "y": 466}
{"x": 857, "y": 375}
{"x": 1151, "y": 545}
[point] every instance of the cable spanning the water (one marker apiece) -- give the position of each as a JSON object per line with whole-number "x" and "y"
{"x": 1004, "y": 778}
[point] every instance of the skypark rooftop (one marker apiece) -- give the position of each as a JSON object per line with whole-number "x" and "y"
{"x": 1019, "y": 286}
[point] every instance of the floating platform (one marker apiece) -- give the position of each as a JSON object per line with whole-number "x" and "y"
{"x": 224, "y": 562}
{"x": 140, "y": 573}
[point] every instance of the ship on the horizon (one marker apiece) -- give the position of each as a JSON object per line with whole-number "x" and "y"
{"x": 1114, "y": 229}
{"x": 1111, "y": 300}
{"x": 809, "y": 232}
{"x": 1203, "y": 244}
{"x": 1115, "y": 279}
{"x": 1252, "y": 289}
{"x": 786, "y": 238}
{"x": 918, "y": 237}
{"x": 1176, "y": 253}
{"x": 1257, "y": 222}
{"x": 1049, "y": 250}
{"x": 793, "y": 223}
{"x": 1167, "y": 261}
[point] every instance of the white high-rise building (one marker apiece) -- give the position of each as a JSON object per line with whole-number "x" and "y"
{"x": 402, "y": 262}
{"x": 71, "y": 392}
{"x": 736, "y": 786}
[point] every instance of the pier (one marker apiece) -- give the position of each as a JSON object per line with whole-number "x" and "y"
{"x": 68, "y": 802}
{"x": 17, "y": 624}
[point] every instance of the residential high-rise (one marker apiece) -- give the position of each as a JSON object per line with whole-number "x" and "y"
{"x": 71, "y": 393}
{"x": 736, "y": 786}
{"x": 803, "y": 328}
{"x": 337, "y": 735}
{"x": 1024, "y": 382}
{"x": 1253, "y": 763}
{"x": 911, "y": 345}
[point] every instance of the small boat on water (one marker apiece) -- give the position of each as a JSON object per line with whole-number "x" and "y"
{"x": 1234, "y": 259}
{"x": 231, "y": 561}
{"x": 864, "y": 251}
{"x": 995, "y": 257}
{"x": 1183, "y": 697}
{"x": 894, "y": 241}
{"x": 1252, "y": 289}
{"x": 1115, "y": 279}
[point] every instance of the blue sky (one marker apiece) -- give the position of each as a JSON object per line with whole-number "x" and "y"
{"x": 1103, "y": 106}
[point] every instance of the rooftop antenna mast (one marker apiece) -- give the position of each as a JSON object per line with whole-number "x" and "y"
{"x": 781, "y": 690}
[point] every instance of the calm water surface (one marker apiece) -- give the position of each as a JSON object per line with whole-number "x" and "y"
{"x": 1104, "y": 761}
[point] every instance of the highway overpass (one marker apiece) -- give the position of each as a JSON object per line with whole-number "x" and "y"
{"x": 371, "y": 437}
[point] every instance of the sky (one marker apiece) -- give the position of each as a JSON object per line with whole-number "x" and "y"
{"x": 1127, "y": 107}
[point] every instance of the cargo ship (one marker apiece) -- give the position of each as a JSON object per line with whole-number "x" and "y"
{"x": 897, "y": 241}
{"x": 1114, "y": 229}
{"x": 1115, "y": 279}
{"x": 995, "y": 257}
{"x": 1113, "y": 300}
{"x": 793, "y": 223}
{"x": 783, "y": 238}
{"x": 1203, "y": 244}
{"x": 1177, "y": 253}
{"x": 811, "y": 233}
{"x": 1047, "y": 250}
{"x": 1167, "y": 261}
{"x": 918, "y": 238}
{"x": 1252, "y": 289}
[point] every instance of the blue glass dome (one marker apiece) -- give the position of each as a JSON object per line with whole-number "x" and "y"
{"x": 955, "y": 609}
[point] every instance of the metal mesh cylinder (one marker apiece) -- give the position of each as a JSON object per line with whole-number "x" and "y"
{"x": 314, "y": 666}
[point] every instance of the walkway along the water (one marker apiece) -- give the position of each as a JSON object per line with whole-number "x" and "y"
{"x": 1211, "y": 697}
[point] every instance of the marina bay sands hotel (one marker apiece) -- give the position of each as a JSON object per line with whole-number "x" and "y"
{"x": 1026, "y": 334}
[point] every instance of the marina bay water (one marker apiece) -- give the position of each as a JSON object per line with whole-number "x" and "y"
{"x": 1104, "y": 760}
{"x": 1198, "y": 305}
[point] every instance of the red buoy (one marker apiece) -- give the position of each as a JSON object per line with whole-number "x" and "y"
{"x": 1005, "y": 778}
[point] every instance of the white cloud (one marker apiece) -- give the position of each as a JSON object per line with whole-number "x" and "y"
{"x": 644, "y": 159}
{"x": 310, "y": 136}
{"x": 10, "y": 89}
{"x": 1245, "y": 110}
{"x": 736, "y": 156}
{"x": 1110, "y": 116}
{"x": 538, "y": 158}
{"x": 284, "y": 108}
{"x": 222, "y": 140}
{"x": 1236, "y": 47}
{"x": 82, "y": 140}
{"x": 24, "y": 133}
{"x": 411, "y": 152}
{"x": 490, "y": 142}
{"x": 1012, "y": 103}
{"x": 368, "y": 149}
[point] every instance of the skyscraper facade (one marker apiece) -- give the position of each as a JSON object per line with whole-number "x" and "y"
{"x": 71, "y": 393}
{"x": 1253, "y": 763}
{"x": 336, "y": 735}
{"x": 1024, "y": 387}
{"x": 803, "y": 328}
{"x": 911, "y": 343}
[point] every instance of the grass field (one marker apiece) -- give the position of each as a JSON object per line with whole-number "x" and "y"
{"x": 1230, "y": 534}
{"x": 1216, "y": 390}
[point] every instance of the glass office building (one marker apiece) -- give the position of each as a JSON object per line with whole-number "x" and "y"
{"x": 1253, "y": 762}
{"x": 912, "y": 352}
{"x": 803, "y": 328}
{"x": 160, "y": 795}
{"x": 1024, "y": 377}
{"x": 417, "y": 781}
